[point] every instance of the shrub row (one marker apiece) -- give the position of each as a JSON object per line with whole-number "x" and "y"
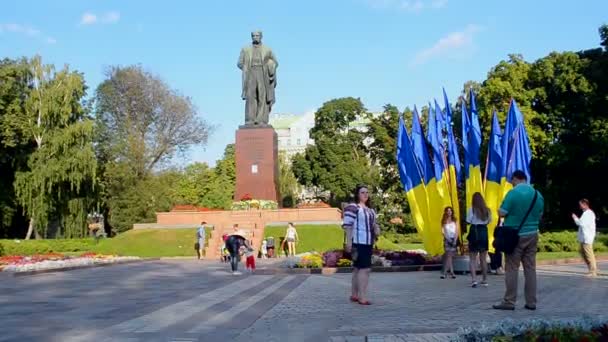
{"x": 567, "y": 242}
{"x": 30, "y": 247}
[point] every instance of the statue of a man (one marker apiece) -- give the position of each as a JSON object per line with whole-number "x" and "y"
{"x": 259, "y": 66}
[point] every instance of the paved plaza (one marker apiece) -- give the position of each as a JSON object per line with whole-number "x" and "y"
{"x": 185, "y": 300}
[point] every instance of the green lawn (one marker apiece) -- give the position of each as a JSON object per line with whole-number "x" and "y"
{"x": 319, "y": 238}
{"x": 152, "y": 243}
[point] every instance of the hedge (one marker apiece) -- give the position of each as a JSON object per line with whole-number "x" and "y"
{"x": 30, "y": 247}
{"x": 567, "y": 242}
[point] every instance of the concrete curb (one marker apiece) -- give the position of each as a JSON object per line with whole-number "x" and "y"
{"x": 334, "y": 270}
{"x": 53, "y": 270}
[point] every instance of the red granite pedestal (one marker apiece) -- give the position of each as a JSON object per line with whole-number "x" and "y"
{"x": 257, "y": 163}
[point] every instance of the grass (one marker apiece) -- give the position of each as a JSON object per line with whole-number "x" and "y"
{"x": 319, "y": 238}
{"x": 564, "y": 255}
{"x": 152, "y": 243}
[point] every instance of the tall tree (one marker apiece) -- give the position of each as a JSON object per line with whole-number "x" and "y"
{"x": 15, "y": 76}
{"x": 288, "y": 184}
{"x": 382, "y": 132}
{"x": 141, "y": 123}
{"x": 60, "y": 172}
{"x": 337, "y": 161}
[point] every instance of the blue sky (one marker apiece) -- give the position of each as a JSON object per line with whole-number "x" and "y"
{"x": 384, "y": 51}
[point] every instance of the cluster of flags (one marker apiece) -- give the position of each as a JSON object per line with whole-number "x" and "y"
{"x": 431, "y": 171}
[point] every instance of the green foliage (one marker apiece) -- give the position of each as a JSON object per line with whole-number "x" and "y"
{"x": 31, "y": 247}
{"x": 61, "y": 171}
{"x": 288, "y": 184}
{"x": 567, "y": 242}
{"x": 337, "y": 162}
{"x": 255, "y": 204}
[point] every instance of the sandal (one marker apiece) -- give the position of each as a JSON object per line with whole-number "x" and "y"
{"x": 354, "y": 299}
{"x": 367, "y": 302}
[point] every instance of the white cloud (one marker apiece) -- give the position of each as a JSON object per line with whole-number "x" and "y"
{"x": 89, "y": 18}
{"x": 453, "y": 43}
{"x": 413, "y": 6}
{"x": 25, "y": 30}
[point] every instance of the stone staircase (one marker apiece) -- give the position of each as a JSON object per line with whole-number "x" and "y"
{"x": 249, "y": 222}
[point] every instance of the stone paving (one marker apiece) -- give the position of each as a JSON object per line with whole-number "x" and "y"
{"x": 184, "y": 300}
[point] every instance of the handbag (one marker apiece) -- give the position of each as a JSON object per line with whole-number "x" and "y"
{"x": 507, "y": 238}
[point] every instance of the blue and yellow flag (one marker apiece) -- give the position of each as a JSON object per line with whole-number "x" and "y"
{"x": 514, "y": 118}
{"x": 453, "y": 161}
{"x": 437, "y": 187}
{"x": 471, "y": 140}
{"x": 411, "y": 179}
{"x": 493, "y": 176}
{"x": 521, "y": 155}
{"x": 421, "y": 151}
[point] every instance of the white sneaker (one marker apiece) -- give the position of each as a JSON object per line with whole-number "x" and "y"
{"x": 236, "y": 273}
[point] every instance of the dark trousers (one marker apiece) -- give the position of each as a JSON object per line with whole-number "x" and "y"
{"x": 233, "y": 244}
{"x": 495, "y": 261}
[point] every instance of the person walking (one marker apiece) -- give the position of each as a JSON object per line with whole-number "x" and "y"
{"x": 291, "y": 236}
{"x": 522, "y": 209}
{"x": 586, "y": 235}
{"x": 361, "y": 231}
{"x": 478, "y": 216}
{"x": 450, "y": 241}
{"x": 200, "y": 237}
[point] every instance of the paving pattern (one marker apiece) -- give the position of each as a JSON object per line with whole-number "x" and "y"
{"x": 184, "y": 300}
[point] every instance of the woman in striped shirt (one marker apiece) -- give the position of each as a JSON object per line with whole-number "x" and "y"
{"x": 361, "y": 233}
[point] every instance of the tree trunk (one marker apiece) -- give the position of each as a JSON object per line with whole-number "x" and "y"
{"x": 30, "y": 229}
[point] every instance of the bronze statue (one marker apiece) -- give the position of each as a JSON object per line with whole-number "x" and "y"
{"x": 259, "y": 66}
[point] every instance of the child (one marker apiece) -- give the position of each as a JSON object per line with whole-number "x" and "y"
{"x": 264, "y": 249}
{"x": 250, "y": 263}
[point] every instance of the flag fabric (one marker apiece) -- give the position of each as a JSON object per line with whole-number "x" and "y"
{"x": 411, "y": 179}
{"x": 453, "y": 162}
{"x": 437, "y": 188}
{"x": 420, "y": 149}
{"x": 493, "y": 176}
{"x": 521, "y": 155}
{"x": 472, "y": 145}
{"x": 514, "y": 118}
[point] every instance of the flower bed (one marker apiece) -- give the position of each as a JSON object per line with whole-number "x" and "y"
{"x": 17, "y": 263}
{"x": 338, "y": 258}
{"x": 586, "y": 329}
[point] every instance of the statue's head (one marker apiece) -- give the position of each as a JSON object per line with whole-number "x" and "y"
{"x": 256, "y": 37}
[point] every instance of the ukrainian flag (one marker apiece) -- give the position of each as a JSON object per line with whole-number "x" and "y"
{"x": 521, "y": 155}
{"x": 437, "y": 188}
{"x": 493, "y": 189}
{"x": 411, "y": 179}
{"x": 471, "y": 140}
{"x": 514, "y": 118}
{"x": 453, "y": 161}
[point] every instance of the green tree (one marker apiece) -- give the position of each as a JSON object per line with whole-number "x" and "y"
{"x": 220, "y": 190}
{"x": 15, "y": 80}
{"x": 60, "y": 172}
{"x": 288, "y": 184}
{"x": 141, "y": 123}
{"x": 391, "y": 199}
{"x": 337, "y": 161}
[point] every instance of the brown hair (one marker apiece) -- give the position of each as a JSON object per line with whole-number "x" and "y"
{"x": 585, "y": 202}
{"x": 480, "y": 209}
{"x": 445, "y": 217}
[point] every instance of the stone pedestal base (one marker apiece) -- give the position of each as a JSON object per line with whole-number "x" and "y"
{"x": 257, "y": 168}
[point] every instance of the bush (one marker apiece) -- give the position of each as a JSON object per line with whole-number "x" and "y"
{"x": 344, "y": 263}
{"x": 1, "y": 249}
{"x": 402, "y": 238}
{"x": 567, "y": 242}
{"x": 31, "y": 247}
{"x": 581, "y": 329}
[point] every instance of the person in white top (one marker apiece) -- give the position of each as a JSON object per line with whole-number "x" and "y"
{"x": 450, "y": 241}
{"x": 291, "y": 236}
{"x": 478, "y": 216}
{"x": 586, "y": 235}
